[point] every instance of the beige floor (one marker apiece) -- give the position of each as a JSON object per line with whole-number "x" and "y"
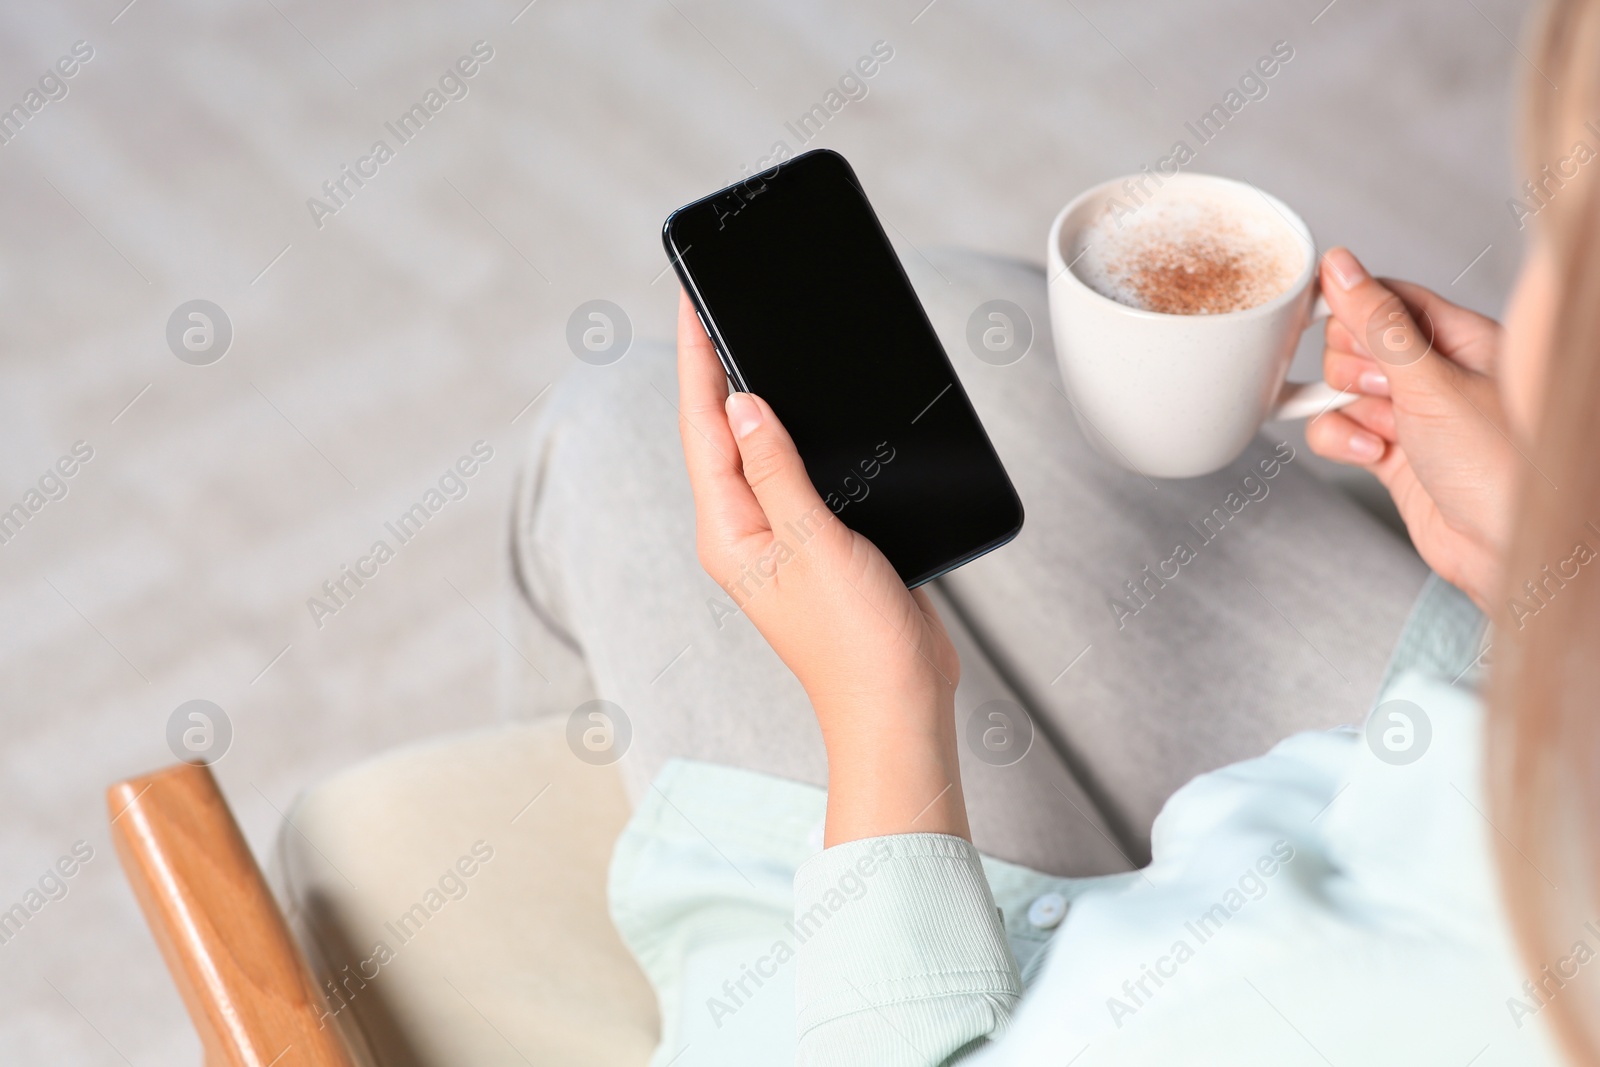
{"x": 430, "y": 310}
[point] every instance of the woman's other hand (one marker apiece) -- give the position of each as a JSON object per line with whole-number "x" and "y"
{"x": 1428, "y": 422}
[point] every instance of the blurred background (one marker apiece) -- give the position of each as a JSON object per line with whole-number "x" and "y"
{"x": 373, "y": 346}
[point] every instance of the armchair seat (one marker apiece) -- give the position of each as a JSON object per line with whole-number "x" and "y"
{"x": 450, "y": 898}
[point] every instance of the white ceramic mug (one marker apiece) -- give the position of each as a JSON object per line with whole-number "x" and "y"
{"x": 1176, "y": 396}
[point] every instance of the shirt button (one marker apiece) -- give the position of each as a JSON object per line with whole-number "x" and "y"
{"x": 1047, "y": 911}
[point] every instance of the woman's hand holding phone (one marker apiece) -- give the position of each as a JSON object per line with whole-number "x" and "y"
{"x": 873, "y": 657}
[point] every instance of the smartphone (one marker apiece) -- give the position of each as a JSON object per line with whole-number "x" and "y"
{"x": 809, "y": 308}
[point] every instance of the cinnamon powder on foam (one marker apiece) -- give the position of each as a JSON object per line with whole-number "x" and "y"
{"x": 1208, "y": 267}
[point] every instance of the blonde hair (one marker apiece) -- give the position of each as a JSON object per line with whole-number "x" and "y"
{"x": 1543, "y": 761}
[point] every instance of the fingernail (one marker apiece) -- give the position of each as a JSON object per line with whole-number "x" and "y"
{"x": 1373, "y": 383}
{"x": 1347, "y": 270}
{"x": 1364, "y": 445}
{"x": 744, "y": 414}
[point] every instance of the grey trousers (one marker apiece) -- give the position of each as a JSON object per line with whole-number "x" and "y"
{"x": 1135, "y": 634}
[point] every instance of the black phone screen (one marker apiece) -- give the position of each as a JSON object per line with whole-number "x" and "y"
{"x": 809, "y": 308}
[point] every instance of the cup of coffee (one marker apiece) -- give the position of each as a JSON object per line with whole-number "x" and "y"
{"x": 1176, "y": 304}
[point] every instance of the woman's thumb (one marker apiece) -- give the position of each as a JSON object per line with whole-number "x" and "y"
{"x": 1377, "y": 317}
{"x": 771, "y": 464}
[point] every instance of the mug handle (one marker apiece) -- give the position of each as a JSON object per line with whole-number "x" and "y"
{"x": 1304, "y": 400}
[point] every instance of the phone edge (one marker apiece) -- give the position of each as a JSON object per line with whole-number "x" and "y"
{"x": 729, "y": 366}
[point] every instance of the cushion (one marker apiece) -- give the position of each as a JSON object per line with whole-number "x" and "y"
{"x": 451, "y": 897}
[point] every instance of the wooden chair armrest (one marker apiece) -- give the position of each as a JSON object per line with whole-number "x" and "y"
{"x": 249, "y": 992}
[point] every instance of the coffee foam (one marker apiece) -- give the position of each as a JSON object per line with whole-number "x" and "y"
{"x": 1190, "y": 252}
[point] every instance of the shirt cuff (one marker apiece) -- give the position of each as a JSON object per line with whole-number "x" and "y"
{"x": 900, "y": 935}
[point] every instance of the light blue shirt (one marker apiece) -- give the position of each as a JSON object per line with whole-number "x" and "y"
{"x": 1331, "y": 902}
